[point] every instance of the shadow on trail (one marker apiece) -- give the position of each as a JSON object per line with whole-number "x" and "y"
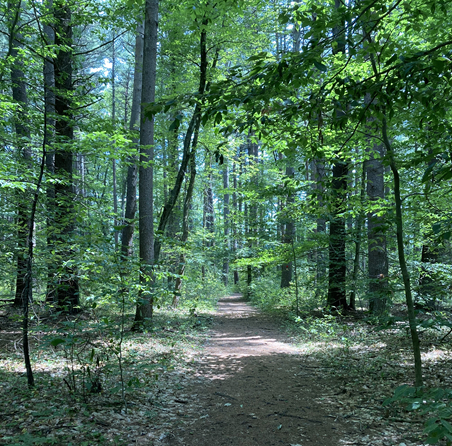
{"x": 257, "y": 389}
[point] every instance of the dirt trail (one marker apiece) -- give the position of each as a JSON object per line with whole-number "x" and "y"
{"x": 255, "y": 388}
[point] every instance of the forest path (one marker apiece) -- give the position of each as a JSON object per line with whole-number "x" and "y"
{"x": 254, "y": 388}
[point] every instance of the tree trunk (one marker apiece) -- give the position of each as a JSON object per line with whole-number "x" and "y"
{"x": 251, "y": 207}
{"x": 209, "y": 209}
{"x": 288, "y": 232}
{"x": 236, "y": 216}
{"x": 321, "y": 263}
{"x": 113, "y": 119}
{"x": 337, "y": 259}
{"x": 132, "y": 169}
{"x": 66, "y": 286}
{"x": 402, "y": 260}
{"x": 19, "y": 89}
{"x": 377, "y": 255}
{"x": 185, "y": 232}
{"x": 193, "y": 129}
{"x": 49, "y": 135}
{"x": 289, "y": 223}
{"x": 358, "y": 241}
{"x": 144, "y": 309}
{"x": 226, "y": 224}
{"x": 28, "y": 290}
{"x": 174, "y": 220}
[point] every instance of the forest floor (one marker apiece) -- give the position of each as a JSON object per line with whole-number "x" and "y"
{"x": 234, "y": 376}
{"x": 259, "y": 388}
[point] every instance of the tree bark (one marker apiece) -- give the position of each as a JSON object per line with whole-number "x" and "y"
{"x": 19, "y": 90}
{"x": 144, "y": 309}
{"x": 337, "y": 256}
{"x": 402, "y": 260}
{"x": 209, "y": 209}
{"x": 320, "y": 254}
{"x": 132, "y": 169}
{"x": 358, "y": 241}
{"x": 337, "y": 259}
{"x": 113, "y": 119}
{"x": 49, "y": 136}
{"x": 236, "y": 216}
{"x": 377, "y": 255}
{"x": 226, "y": 224}
{"x": 251, "y": 207}
{"x": 288, "y": 232}
{"x": 185, "y": 226}
{"x": 66, "y": 286}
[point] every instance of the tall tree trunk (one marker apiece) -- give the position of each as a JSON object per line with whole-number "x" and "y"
{"x": 170, "y": 173}
{"x": 289, "y": 231}
{"x": 209, "y": 208}
{"x": 251, "y": 207}
{"x": 337, "y": 259}
{"x": 321, "y": 257}
{"x": 185, "y": 227}
{"x": 49, "y": 135}
{"x": 377, "y": 255}
{"x": 28, "y": 290}
{"x": 208, "y": 216}
{"x": 289, "y": 223}
{"x": 144, "y": 309}
{"x": 19, "y": 89}
{"x": 358, "y": 241}
{"x": 402, "y": 260}
{"x": 236, "y": 217}
{"x": 66, "y": 287}
{"x": 113, "y": 119}
{"x": 132, "y": 168}
{"x": 193, "y": 129}
{"x": 226, "y": 223}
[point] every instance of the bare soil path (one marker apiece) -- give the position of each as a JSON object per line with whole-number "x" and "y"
{"x": 255, "y": 388}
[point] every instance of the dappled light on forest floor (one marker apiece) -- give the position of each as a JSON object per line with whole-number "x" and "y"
{"x": 254, "y": 389}
{"x": 252, "y": 383}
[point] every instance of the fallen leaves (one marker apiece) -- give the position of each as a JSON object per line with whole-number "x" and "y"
{"x": 159, "y": 368}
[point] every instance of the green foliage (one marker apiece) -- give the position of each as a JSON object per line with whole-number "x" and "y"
{"x": 30, "y": 440}
{"x": 434, "y": 405}
{"x": 201, "y": 295}
{"x": 266, "y": 293}
{"x": 321, "y": 327}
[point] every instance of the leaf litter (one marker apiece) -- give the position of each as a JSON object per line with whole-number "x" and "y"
{"x": 167, "y": 375}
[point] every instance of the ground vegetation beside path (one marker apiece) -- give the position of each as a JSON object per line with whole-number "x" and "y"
{"x": 232, "y": 376}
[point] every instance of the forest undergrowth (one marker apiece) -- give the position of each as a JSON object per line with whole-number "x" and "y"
{"x": 92, "y": 387}
{"x": 369, "y": 366}
{"x": 370, "y": 371}
{"x": 99, "y": 383}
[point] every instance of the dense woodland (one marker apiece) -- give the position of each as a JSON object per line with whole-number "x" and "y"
{"x": 155, "y": 155}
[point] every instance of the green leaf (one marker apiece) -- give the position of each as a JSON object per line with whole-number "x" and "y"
{"x": 320, "y": 66}
{"x": 447, "y": 425}
{"x": 436, "y": 228}
{"x": 175, "y": 124}
{"x": 57, "y": 341}
{"x": 391, "y": 59}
